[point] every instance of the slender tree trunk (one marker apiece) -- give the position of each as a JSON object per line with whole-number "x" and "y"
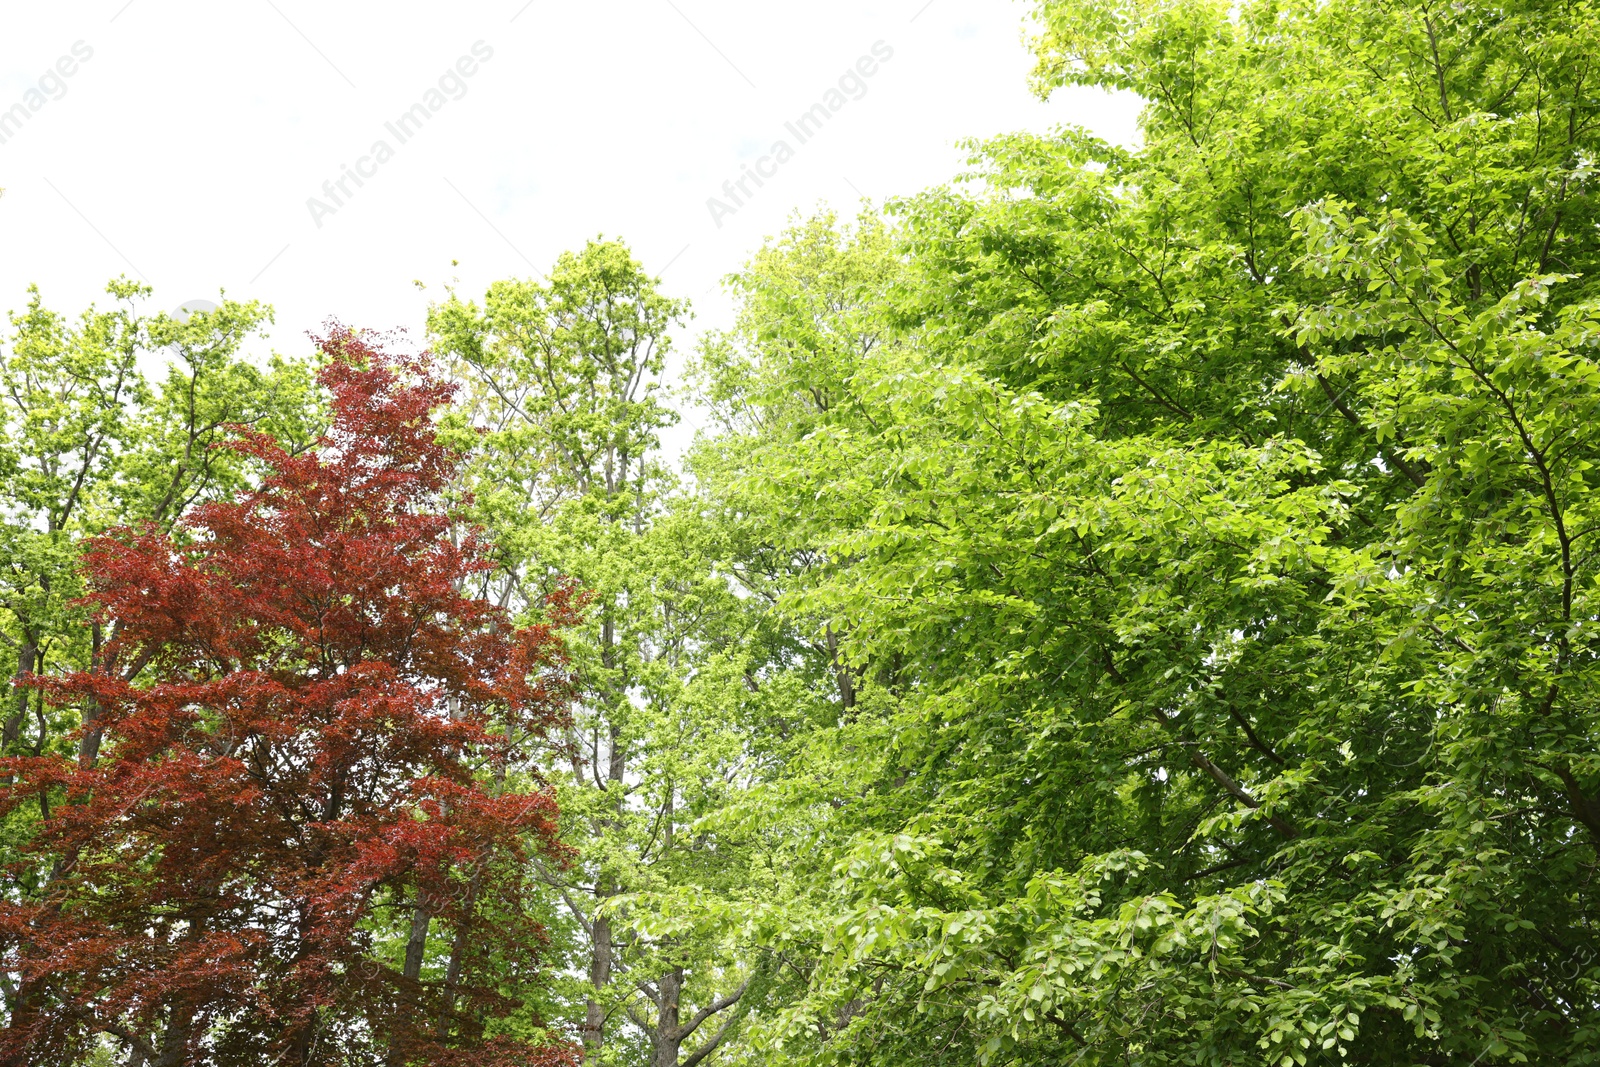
{"x": 458, "y": 947}
{"x": 600, "y": 966}
{"x": 601, "y": 956}
{"x": 31, "y": 997}
{"x": 668, "y": 1037}
{"x": 26, "y": 662}
{"x": 417, "y": 943}
{"x": 180, "y": 1023}
{"x": 300, "y": 1042}
{"x": 410, "y": 971}
{"x": 89, "y": 743}
{"x": 458, "y": 944}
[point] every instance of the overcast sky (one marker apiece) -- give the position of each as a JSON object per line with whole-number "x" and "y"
{"x": 185, "y": 147}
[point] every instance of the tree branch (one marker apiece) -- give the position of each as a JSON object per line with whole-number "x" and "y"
{"x": 143, "y": 1047}
{"x": 1389, "y": 455}
{"x": 1585, "y": 809}
{"x": 1221, "y": 778}
{"x": 1249, "y": 731}
{"x": 716, "y": 1039}
{"x": 711, "y": 1009}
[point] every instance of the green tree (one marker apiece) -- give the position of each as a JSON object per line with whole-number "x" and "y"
{"x": 564, "y": 379}
{"x": 1206, "y": 532}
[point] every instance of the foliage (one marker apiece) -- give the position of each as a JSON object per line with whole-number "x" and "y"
{"x": 300, "y": 736}
{"x": 1206, "y": 530}
{"x": 563, "y": 379}
{"x": 88, "y": 442}
{"x": 1130, "y": 604}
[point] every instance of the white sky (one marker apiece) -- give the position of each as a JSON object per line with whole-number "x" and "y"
{"x": 186, "y": 148}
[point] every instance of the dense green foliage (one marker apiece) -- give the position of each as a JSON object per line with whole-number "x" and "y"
{"x": 1129, "y": 605}
{"x": 1208, "y": 531}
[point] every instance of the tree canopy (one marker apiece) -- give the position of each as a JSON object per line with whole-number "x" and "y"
{"x": 1130, "y": 604}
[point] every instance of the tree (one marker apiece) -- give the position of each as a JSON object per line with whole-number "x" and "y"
{"x": 1212, "y": 543}
{"x": 86, "y": 442}
{"x": 565, "y": 383}
{"x": 304, "y": 834}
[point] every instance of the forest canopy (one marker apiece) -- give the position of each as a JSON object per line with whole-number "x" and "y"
{"x": 1126, "y": 605}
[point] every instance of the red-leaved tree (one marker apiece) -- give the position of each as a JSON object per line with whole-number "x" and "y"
{"x": 298, "y": 824}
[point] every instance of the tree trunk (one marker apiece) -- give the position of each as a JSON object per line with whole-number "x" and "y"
{"x": 26, "y": 661}
{"x": 180, "y": 1023}
{"x": 841, "y": 673}
{"x": 175, "y": 1042}
{"x": 417, "y": 943}
{"x": 594, "y": 1020}
{"x": 458, "y": 947}
{"x": 669, "y": 1033}
{"x": 411, "y": 970}
{"x": 600, "y": 959}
